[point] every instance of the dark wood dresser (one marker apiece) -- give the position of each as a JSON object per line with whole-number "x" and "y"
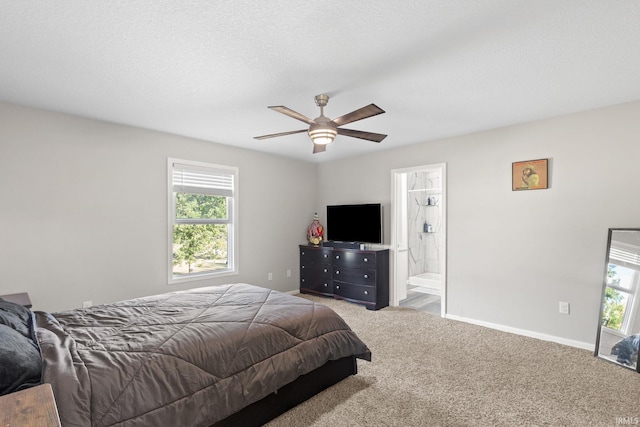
{"x": 360, "y": 276}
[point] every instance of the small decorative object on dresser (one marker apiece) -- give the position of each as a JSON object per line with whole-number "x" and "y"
{"x": 360, "y": 276}
{"x": 315, "y": 232}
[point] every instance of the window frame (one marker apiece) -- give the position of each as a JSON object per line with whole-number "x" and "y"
{"x": 231, "y": 221}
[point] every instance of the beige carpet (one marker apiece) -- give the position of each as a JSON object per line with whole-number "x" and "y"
{"x": 429, "y": 371}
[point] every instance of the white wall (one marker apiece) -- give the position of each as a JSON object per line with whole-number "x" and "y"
{"x": 512, "y": 256}
{"x": 83, "y": 209}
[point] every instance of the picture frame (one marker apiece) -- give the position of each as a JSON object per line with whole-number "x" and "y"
{"x": 530, "y": 175}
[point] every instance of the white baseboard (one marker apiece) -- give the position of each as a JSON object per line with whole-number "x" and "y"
{"x": 524, "y": 332}
{"x": 294, "y": 292}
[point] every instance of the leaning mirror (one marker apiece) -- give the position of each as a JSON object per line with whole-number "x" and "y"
{"x": 618, "y": 335}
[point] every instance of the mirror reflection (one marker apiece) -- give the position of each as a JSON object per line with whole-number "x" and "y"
{"x": 618, "y": 336}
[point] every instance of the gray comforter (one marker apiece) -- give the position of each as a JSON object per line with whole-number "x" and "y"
{"x": 185, "y": 358}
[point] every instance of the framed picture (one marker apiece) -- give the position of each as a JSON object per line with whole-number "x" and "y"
{"x": 530, "y": 175}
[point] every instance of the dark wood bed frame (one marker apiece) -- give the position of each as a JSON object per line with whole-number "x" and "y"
{"x": 292, "y": 394}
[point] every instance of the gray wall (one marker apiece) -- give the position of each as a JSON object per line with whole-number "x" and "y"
{"x": 512, "y": 256}
{"x": 83, "y": 209}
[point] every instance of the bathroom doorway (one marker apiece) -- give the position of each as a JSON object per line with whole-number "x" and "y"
{"x": 418, "y": 238}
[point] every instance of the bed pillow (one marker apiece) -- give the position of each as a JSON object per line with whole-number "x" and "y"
{"x": 20, "y": 362}
{"x": 16, "y": 317}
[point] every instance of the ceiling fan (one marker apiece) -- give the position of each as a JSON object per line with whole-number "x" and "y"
{"x": 322, "y": 131}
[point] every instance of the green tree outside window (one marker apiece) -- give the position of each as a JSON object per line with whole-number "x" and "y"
{"x": 614, "y": 302}
{"x": 200, "y": 247}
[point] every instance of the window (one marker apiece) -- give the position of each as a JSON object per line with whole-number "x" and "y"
{"x": 623, "y": 278}
{"x": 202, "y": 220}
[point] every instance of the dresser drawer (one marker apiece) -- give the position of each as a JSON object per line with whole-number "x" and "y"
{"x": 354, "y": 259}
{"x": 317, "y": 285}
{"x": 315, "y": 256}
{"x": 324, "y": 271}
{"x": 354, "y": 292}
{"x": 355, "y": 275}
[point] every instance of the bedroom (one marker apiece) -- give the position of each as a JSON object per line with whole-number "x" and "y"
{"x": 84, "y": 209}
{"x": 81, "y": 231}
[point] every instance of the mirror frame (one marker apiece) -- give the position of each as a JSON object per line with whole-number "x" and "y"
{"x": 602, "y": 297}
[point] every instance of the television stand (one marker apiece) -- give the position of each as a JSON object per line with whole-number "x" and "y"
{"x": 360, "y": 276}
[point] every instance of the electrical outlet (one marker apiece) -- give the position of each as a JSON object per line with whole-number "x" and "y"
{"x": 564, "y": 307}
{"x": 86, "y": 304}
{"x": 270, "y": 276}
{"x": 288, "y": 273}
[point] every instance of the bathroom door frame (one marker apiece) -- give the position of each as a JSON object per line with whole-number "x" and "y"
{"x": 399, "y": 275}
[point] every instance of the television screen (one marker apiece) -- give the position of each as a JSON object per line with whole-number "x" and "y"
{"x": 355, "y": 223}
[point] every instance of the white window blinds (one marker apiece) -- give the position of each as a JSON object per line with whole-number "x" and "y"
{"x": 625, "y": 256}
{"x": 202, "y": 180}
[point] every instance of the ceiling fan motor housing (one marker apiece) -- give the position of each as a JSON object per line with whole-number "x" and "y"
{"x": 323, "y": 131}
{"x": 322, "y": 100}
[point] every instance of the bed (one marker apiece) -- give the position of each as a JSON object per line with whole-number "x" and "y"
{"x": 223, "y": 355}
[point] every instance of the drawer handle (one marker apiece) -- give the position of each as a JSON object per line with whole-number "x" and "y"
{"x": 325, "y": 255}
{"x": 325, "y": 270}
{"x": 366, "y": 276}
{"x": 337, "y": 271}
{"x": 366, "y": 292}
{"x": 338, "y": 287}
{"x": 303, "y": 266}
{"x": 302, "y": 252}
{"x": 337, "y": 256}
{"x": 325, "y": 285}
{"x": 366, "y": 260}
{"x": 303, "y": 280}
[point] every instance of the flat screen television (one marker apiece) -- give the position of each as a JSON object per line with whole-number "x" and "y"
{"x": 355, "y": 223}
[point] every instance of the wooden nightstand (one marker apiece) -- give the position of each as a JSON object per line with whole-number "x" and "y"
{"x": 33, "y": 407}
{"x": 22, "y": 299}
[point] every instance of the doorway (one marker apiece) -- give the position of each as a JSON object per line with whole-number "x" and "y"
{"x": 418, "y": 238}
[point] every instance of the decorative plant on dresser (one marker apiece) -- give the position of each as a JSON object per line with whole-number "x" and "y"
{"x": 360, "y": 276}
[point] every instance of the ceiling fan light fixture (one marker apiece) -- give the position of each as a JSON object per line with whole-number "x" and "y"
{"x": 322, "y": 131}
{"x": 322, "y": 135}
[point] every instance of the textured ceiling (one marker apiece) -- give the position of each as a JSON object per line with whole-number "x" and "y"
{"x": 209, "y": 69}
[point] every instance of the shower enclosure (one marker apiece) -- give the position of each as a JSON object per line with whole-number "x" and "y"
{"x": 418, "y": 238}
{"x": 425, "y": 240}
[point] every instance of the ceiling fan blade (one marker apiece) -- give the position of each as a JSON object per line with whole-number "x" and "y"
{"x": 317, "y": 148}
{"x": 273, "y": 135}
{"x": 359, "y": 114}
{"x": 289, "y": 112}
{"x": 369, "y": 136}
